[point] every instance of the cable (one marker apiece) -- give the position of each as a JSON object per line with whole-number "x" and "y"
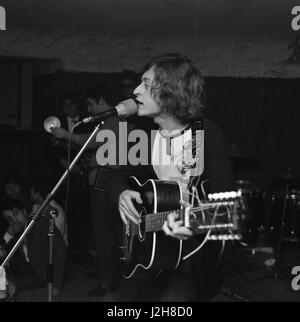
{"x": 219, "y": 261}
{"x": 205, "y": 239}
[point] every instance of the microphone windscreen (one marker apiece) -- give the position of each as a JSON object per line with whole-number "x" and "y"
{"x": 127, "y": 108}
{"x": 50, "y": 122}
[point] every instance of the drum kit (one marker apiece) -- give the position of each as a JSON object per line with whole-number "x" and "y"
{"x": 275, "y": 213}
{"x": 286, "y": 212}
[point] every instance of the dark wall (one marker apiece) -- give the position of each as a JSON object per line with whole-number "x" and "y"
{"x": 26, "y": 152}
{"x": 260, "y": 115}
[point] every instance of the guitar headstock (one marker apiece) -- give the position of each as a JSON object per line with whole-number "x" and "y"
{"x": 222, "y": 216}
{"x": 225, "y": 196}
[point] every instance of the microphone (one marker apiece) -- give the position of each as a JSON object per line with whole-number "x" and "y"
{"x": 51, "y": 122}
{"x": 123, "y": 109}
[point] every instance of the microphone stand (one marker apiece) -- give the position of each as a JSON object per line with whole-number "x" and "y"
{"x": 50, "y": 269}
{"x": 39, "y": 212}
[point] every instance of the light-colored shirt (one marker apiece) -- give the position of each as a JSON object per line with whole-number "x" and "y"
{"x": 172, "y": 157}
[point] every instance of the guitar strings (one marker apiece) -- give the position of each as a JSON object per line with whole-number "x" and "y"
{"x": 164, "y": 215}
{"x": 180, "y": 212}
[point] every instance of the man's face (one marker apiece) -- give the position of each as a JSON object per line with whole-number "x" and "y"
{"x": 147, "y": 106}
{"x": 13, "y": 215}
{"x": 9, "y": 216}
{"x": 12, "y": 190}
{"x": 95, "y": 107}
{"x": 15, "y": 218}
{"x": 70, "y": 108}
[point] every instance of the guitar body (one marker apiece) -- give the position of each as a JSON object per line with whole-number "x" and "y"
{"x": 151, "y": 250}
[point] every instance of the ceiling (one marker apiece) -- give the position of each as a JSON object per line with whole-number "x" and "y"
{"x": 157, "y": 18}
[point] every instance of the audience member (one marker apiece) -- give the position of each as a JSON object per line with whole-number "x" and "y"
{"x": 38, "y": 192}
{"x": 15, "y": 220}
{"x": 13, "y": 189}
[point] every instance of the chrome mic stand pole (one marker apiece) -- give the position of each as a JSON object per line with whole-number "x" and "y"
{"x": 50, "y": 268}
{"x": 48, "y": 199}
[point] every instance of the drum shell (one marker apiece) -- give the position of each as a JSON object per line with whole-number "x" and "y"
{"x": 291, "y": 220}
{"x": 254, "y": 196}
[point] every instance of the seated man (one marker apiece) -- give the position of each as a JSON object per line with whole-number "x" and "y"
{"x": 13, "y": 189}
{"x": 15, "y": 221}
{"x": 38, "y": 193}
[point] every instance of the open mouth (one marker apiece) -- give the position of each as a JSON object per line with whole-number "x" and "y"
{"x": 138, "y": 102}
{"x": 140, "y": 105}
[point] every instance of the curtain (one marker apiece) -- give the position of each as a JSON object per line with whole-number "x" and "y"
{"x": 261, "y": 115}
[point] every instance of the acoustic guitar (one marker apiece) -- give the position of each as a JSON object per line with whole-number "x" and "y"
{"x": 145, "y": 247}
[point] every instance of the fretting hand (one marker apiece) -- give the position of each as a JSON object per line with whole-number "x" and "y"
{"x": 175, "y": 228}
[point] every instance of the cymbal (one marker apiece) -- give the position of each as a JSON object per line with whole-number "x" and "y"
{"x": 240, "y": 152}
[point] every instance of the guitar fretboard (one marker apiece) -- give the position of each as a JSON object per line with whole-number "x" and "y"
{"x": 154, "y": 222}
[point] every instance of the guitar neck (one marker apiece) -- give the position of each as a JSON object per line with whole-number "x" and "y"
{"x": 154, "y": 222}
{"x": 204, "y": 215}
{"x": 218, "y": 214}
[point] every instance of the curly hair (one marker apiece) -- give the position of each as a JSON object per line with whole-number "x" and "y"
{"x": 177, "y": 86}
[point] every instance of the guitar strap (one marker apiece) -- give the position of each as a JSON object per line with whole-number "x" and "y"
{"x": 197, "y": 129}
{"x": 196, "y": 126}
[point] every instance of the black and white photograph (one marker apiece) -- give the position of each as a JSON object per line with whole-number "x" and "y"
{"x": 150, "y": 153}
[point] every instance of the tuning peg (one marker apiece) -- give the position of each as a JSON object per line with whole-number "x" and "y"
{"x": 233, "y": 194}
{"x": 225, "y": 195}
{"x": 225, "y": 237}
{"x": 213, "y": 196}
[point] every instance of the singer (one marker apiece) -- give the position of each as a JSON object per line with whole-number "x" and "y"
{"x": 171, "y": 94}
